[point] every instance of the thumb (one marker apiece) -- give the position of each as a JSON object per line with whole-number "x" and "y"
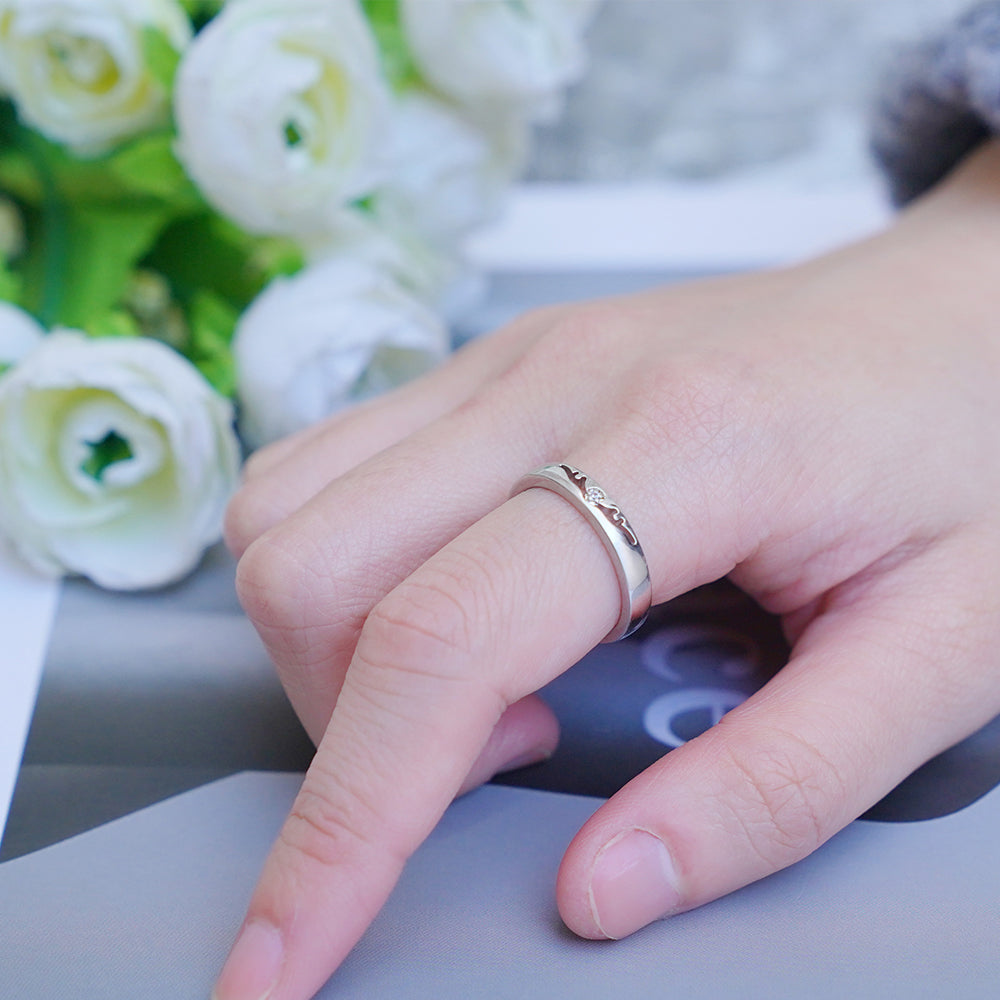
{"x": 869, "y": 695}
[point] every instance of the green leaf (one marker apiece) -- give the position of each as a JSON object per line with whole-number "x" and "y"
{"x": 34, "y": 170}
{"x": 80, "y": 258}
{"x": 208, "y": 252}
{"x": 115, "y": 324}
{"x": 11, "y": 286}
{"x": 148, "y": 167}
{"x": 162, "y": 59}
{"x": 18, "y": 175}
{"x": 397, "y": 60}
{"x": 275, "y": 257}
{"x": 202, "y": 11}
{"x": 213, "y": 323}
{"x": 144, "y": 169}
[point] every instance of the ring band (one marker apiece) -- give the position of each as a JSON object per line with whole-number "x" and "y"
{"x": 615, "y": 533}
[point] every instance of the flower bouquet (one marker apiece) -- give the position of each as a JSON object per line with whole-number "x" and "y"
{"x": 221, "y": 217}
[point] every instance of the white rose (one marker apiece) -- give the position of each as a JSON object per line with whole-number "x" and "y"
{"x": 384, "y": 243}
{"x": 280, "y": 105}
{"x": 77, "y": 71}
{"x": 495, "y": 52}
{"x": 116, "y": 460}
{"x": 447, "y": 176}
{"x": 19, "y": 334}
{"x": 335, "y": 334}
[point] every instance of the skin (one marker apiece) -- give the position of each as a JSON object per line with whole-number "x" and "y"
{"x": 827, "y": 435}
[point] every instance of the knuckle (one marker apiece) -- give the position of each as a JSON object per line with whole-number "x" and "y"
{"x": 287, "y": 585}
{"x": 429, "y": 623}
{"x": 544, "y": 317}
{"x": 272, "y": 581}
{"x": 702, "y": 406}
{"x": 315, "y": 832}
{"x": 267, "y": 496}
{"x": 577, "y": 340}
{"x": 786, "y": 798}
{"x": 258, "y": 463}
{"x": 584, "y": 333}
{"x": 248, "y": 516}
{"x": 328, "y": 823}
{"x": 705, "y": 416}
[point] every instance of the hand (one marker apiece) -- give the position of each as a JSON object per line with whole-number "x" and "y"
{"x": 829, "y": 436}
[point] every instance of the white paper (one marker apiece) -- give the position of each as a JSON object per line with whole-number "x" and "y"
{"x": 27, "y": 608}
{"x": 686, "y": 228}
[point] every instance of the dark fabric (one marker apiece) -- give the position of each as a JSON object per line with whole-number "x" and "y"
{"x": 939, "y": 101}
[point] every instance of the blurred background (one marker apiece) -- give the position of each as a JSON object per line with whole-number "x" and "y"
{"x": 718, "y": 89}
{"x": 146, "y": 695}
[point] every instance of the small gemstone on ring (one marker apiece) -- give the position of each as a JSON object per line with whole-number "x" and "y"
{"x": 595, "y": 495}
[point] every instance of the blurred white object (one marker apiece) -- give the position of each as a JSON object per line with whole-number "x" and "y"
{"x": 280, "y": 108}
{"x": 492, "y": 53}
{"x": 674, "y": 227}
{"x": 27, "y": 607}
{"x": 77, "y": 68}
{"x": 19, "y": 334}
{"x": 337, "y": 333}
{"x": 448, "y": 175}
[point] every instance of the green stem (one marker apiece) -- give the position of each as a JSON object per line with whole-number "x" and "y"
{"x": 55, "y": 247}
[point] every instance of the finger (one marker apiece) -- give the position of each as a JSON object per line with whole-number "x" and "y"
{"x": 309, "y": 583}
{"x": 512, "y": 602}
{"x": 278, "y": 479}
{"x": 527, "y": 733}
{"x": 884, "y": 679}
{"x": 439, "y": 660}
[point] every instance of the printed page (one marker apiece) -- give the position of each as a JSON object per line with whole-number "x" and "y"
{"x": 27, "y": 607}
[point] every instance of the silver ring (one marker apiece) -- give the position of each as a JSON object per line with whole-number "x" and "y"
{"x": 615, "y": 533}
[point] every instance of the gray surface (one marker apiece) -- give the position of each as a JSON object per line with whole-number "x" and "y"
{"x": 174, "y": 678}
{"x": 682, "y": 89}
{"x": 54, "y": 802}
{"x": 145, "y": 908}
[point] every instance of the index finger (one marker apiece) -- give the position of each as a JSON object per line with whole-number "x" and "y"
{"x": 496, "y": 614}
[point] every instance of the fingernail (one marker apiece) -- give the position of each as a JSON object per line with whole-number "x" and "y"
{"x": 633, "y": 883}
{"x": 537, "y": 756}
{"x": 252, "y": 969}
